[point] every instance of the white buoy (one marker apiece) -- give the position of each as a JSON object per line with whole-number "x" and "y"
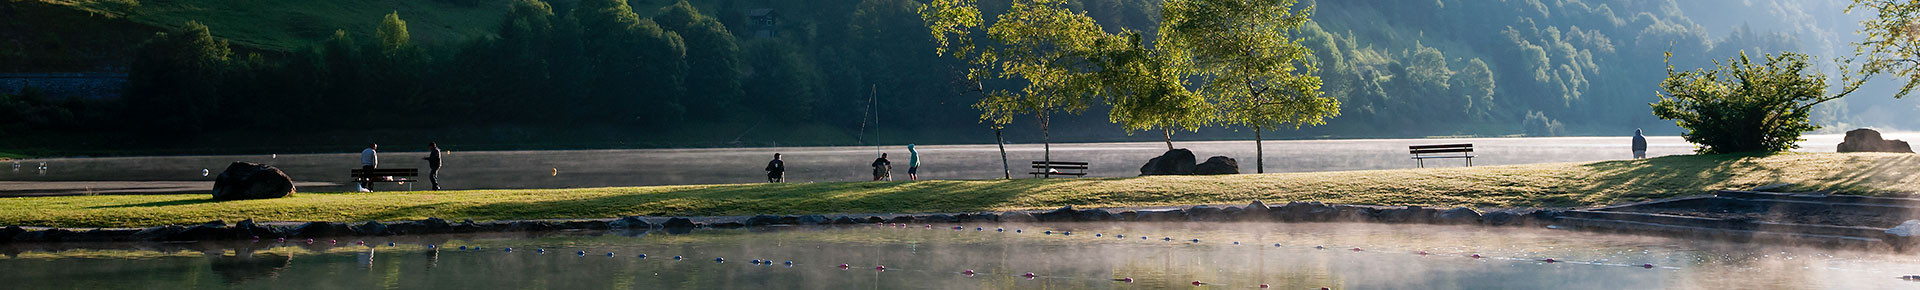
{"x": 204, "y": 172}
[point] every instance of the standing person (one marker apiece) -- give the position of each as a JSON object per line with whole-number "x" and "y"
{"x": 433, "y": 164}
{"x": 881, "y": 167}
{"x": 913, "y": 163}
{"x": 1639, "y": 145}
{"x": 776, "y": 170}
{"x": 369, "y": 159}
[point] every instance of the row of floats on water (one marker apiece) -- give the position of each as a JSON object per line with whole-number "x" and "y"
{"x": 1028, "y": 275}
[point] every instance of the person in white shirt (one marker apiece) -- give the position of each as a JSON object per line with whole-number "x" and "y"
{"x": 369, "y": 159}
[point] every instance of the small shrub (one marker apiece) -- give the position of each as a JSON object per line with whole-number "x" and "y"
{"x": 1537, "y": 124}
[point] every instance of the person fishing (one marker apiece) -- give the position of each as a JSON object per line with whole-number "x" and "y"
{"x": 913, "y": 163}
{"x": 776, "y": 170}
{"x": 881, "y": 168}
{"x": 433, "y": 164}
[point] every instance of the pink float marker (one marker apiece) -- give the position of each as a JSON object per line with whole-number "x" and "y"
{"x": 1196, "y": 283}
{"x": 1029, "y": 275}
{"x": 1423, "y": 253}
{"x": 843, "y": 266}
{"x": 1476, "y": 256}
{"x": 1549, "y": 260}
{"x": 969, "y": 272}
{"x": 880, "y": 268}
{"x": 1356, "y": 249}
{"x": 1127, "y": 279}
{"x": 1263, "y": 286}
{"x": 1648, "y": 266}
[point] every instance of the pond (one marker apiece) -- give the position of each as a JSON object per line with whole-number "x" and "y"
{"x": 939, "y": 256}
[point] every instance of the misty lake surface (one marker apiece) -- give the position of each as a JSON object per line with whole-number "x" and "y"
{"x": 599, "y": 168}
{"x": 1094, "y": 256}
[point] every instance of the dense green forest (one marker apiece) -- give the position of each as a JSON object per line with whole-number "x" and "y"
{"x": 644, "y": 73}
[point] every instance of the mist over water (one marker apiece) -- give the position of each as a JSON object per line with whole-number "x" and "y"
{"x": 597, "y": 168}
{"x": 1282, "y": 255}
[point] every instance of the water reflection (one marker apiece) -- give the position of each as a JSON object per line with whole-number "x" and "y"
{"x": 1093, "y": 257}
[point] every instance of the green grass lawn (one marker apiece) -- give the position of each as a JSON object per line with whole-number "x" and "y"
{"x": 1539, "y": 185}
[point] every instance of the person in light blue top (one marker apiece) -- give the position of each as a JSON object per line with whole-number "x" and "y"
{"x": 913, "y": 163}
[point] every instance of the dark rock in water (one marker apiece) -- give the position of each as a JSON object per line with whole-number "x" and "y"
{"x": 678, "y": 223}
{"x": 370, "y": 228}
{"x": 1061, "y": 214}
{"x": 159, "y": 233}
{"x": 1458, "y": 215}
{"x": 1217, "y": 165}
{"x": 986, "y": 217}
{"x": 320, "y": 229}
{"x": 940, "y": 218}
{"x": 844, "y": 221}
{"x": 814, "y": 220}
{"x": 244, "y": 180}
{"x": 1163, "y": 215}
{"x": 48, "y": 235}
{"x": 901, "y": 219}
{"x": 1203, "y": 213}
{"x": 763, "y": 220}
{"x": 1256, "y": 211}
{"x": 875, "y": 219}
{"x": 435, "y": 225}
{"x": 1174, "y": 162}
{"x": 8, "y": 233}
{"x": 248, "y": 228}
{"x": 729, "y": 225}
{"x": 1409, "y": 214}
{"x": 1018, "y": 217}
{"x": 632, "y": 222}
{"x": 1093, "y": 215}
{"x": 1501, "y": 218}
{"x": 213, "y": 230}
{"x": 1868, "y": 140}
{"x": 583, "y": 225}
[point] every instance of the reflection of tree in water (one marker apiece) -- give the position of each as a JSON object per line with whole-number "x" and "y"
{"x": 244, "y": 265}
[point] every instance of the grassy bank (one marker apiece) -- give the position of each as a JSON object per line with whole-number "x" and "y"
{"x": 1552, "y": 185}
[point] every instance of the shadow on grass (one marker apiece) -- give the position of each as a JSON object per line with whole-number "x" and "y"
{"x": 1679, "y": 175}
{"x": 159, "y": 203}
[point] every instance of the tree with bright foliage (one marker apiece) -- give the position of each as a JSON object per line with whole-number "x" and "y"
{"x": 1890, "y": 41}
{"x": 1248, "y": 62}
{"x": 1742, "y": 106}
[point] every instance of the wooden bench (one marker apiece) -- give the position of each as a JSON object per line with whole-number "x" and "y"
{"x": 1067, "y": 168}
{"x": 384, "y": 174}
{"x": 1423, "y": 152}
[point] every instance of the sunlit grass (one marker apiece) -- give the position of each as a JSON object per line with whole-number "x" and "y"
{"x": 1538, "y": 185}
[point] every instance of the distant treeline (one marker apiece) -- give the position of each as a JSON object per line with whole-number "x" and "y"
{"x": 1400, "y": 68}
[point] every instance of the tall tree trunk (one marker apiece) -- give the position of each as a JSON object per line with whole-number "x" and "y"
{"x": 1005, "y": 168}
{"x": 1259, "y": 152}
{"x": 1046, "y": 141}
{"x": 1169, "y": 132}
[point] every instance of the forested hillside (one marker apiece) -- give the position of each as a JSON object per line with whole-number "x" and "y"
{"x": 645, "y": 73}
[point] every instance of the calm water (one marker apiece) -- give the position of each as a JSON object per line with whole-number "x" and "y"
{"x": 594, "y": 168}
{"x": 1282, "y": 255}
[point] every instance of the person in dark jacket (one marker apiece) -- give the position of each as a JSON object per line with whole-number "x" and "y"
{"x": 1639, "y": 145}
{"x": 433, "y": 164}
{"x": 881, "y": 168}
{"x": 776, "y": 170}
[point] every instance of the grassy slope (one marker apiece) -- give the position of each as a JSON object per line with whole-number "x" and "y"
{"x": 290, "y": 25}
{"x": 1562, "y": 184}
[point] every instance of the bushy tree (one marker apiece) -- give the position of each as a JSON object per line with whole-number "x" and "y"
{"x": 1741, "y": 106}
{"x": 1249, "y": 63}
{"x": 174, "y": 83}
{"x": 1538, "y": 125}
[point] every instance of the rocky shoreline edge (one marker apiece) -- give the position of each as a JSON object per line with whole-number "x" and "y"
{"x": 1254, "y": 212}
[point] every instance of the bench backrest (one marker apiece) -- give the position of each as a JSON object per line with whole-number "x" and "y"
{"x": 1443, "y": 148}
{"x": 1061, "y": 165}
{"x": 360, "y": 172}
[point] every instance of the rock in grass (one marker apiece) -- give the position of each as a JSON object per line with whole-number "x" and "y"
{"x": 1174, "y": 162}
{"x": 1868, "y": 140}
{"x": 244, "y": 180}
{"x": 1217, "y": 165}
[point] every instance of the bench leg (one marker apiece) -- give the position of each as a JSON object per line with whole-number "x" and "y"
{"x": 1469, "y": 161}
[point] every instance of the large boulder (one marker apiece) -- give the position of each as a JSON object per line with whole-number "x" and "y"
{"x": 1217, "y": 165}
{"x": 1868, "y": 140}
{"x": 244, "y": 180}
{"x": 1174, "y": 162}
